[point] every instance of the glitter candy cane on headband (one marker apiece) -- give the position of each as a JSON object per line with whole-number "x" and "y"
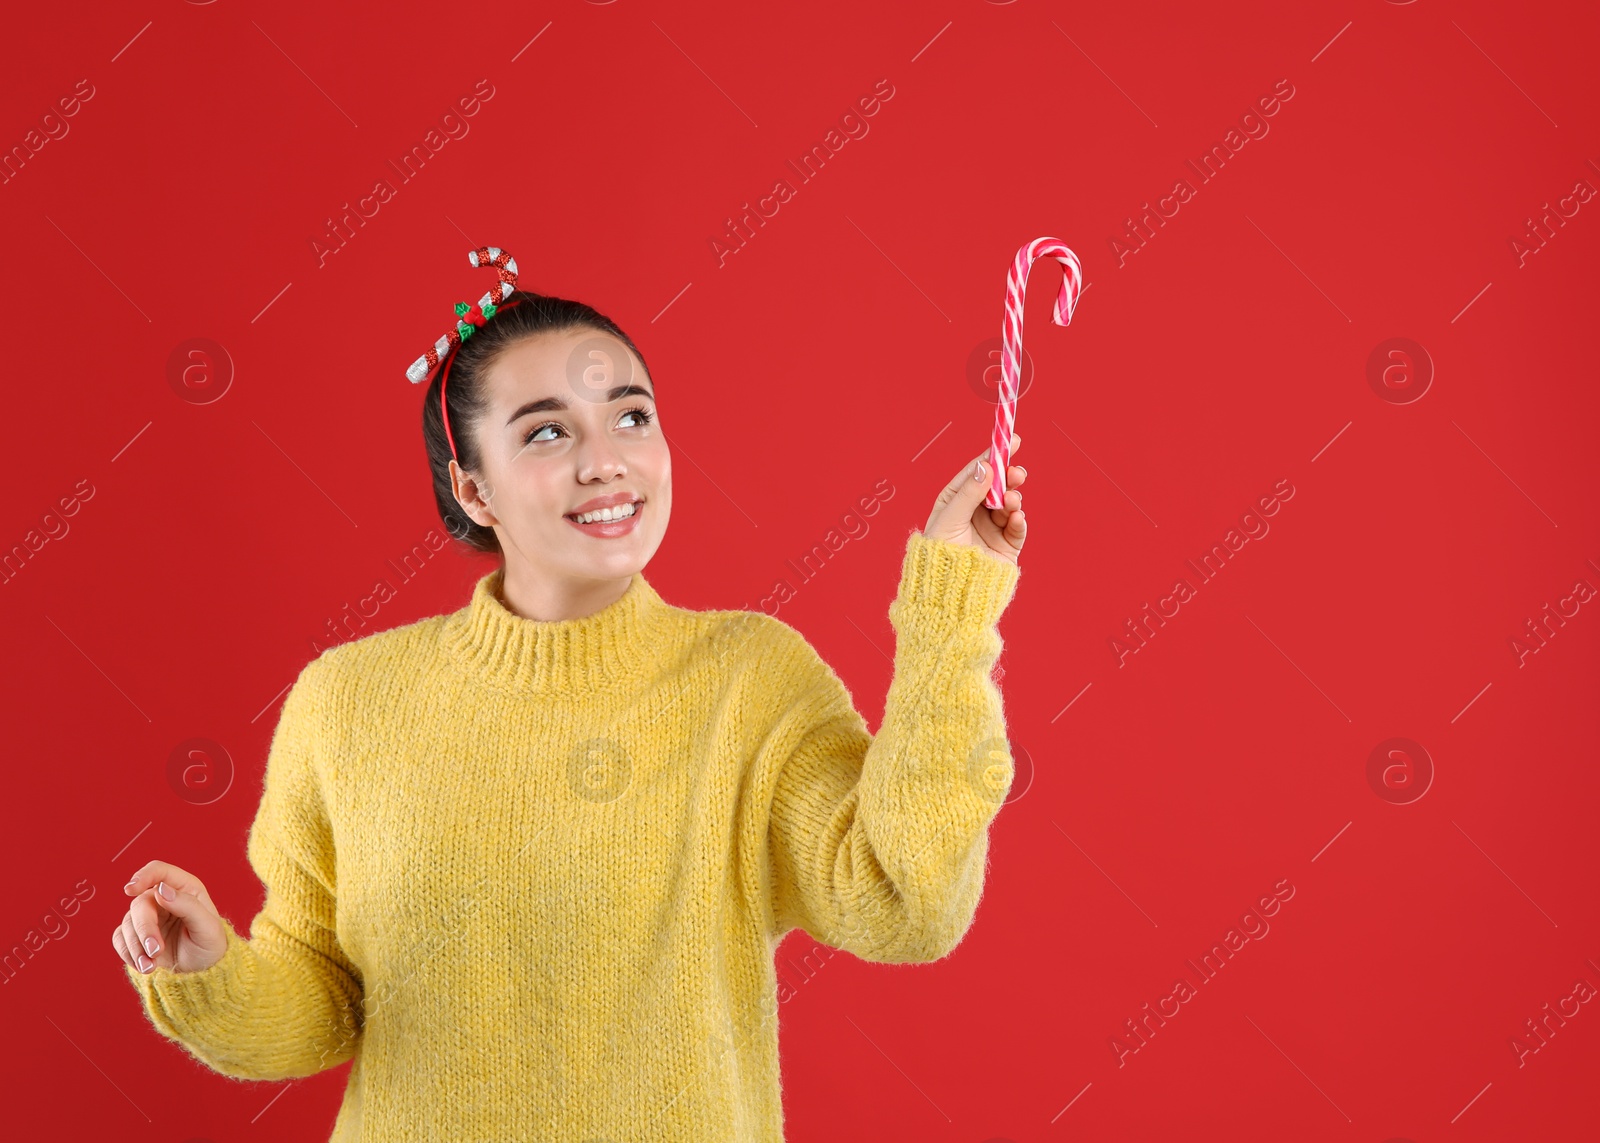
{"x": 1005, "y": 413}
{"x": 469, "y": 319}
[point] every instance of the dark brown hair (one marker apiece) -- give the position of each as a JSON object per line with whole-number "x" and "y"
{"x": 532, "y": 315}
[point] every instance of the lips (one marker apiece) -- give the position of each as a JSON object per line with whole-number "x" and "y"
{"x": 610, "y": 529}
{"x": 636, "y": 505}
{"x": 610, "y": 500}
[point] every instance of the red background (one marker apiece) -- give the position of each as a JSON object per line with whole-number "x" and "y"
{"x": 234, "y": 515}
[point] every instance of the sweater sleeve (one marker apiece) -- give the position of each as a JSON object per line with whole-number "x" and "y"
{"x": 879, "y": 845}
{"x": 286, "y": 1002}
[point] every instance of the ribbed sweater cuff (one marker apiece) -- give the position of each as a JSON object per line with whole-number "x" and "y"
{"x": 183, "y": 1001}
{"x": 954, "y": 586}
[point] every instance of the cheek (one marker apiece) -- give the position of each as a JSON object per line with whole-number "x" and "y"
{"x": 656, "y": 465}
{"x": 655, "y": 479}
{"x": 532, "y": 495}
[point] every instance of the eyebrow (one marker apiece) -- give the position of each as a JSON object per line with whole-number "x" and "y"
{"x": 545, "y": 404}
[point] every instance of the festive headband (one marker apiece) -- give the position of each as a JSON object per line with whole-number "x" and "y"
{"x": 469, "y": 319}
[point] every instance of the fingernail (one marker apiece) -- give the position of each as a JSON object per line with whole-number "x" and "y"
{"x": 128, "y": 888}
{"x": 151, "y": 945}
{"x": 166, "y": 891}
{"x": 146, "y": 964}
{"x": 977, "y": 473}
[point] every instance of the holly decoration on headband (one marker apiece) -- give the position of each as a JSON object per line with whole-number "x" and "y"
{"x": 470, "y": 318}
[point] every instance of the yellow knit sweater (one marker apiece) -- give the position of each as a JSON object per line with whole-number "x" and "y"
{"x": 530, "y": 876}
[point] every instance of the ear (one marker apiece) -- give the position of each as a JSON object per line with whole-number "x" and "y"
{"x": 474, "y": 494}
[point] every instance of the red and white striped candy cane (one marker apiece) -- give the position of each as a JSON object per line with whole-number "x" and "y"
{"x": 1005, "y": 414}
{"x": 505, "y": 266}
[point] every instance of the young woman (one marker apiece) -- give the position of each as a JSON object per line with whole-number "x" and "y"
{"x": 527, "y": 863}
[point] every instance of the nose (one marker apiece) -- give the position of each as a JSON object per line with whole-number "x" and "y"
{"x": 599, "y": 459}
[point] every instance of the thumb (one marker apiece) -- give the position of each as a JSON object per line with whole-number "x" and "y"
{"x": 961, "y": 488}
{"x": 976, "y": 483}
{"x": 199, "y": 917}
{"x": 969, "y": 488}
{"x": 957, "y": 503}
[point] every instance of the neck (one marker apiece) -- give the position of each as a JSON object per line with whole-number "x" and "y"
{"x": 546, "y": 598}
{"x": 603, "y": 648}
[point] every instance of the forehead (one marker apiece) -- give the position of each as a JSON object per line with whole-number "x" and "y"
{"x": 581, "y": 364}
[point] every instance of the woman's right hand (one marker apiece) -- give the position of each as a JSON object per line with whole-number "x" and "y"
{"x": 173, "y": 909}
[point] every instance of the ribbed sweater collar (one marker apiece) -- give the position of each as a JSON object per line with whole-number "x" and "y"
{"x": 618, "y": 643}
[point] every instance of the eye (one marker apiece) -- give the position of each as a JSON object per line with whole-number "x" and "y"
{"x": 646, "y": 419}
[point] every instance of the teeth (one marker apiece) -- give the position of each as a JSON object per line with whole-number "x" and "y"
{"x": 621, "y": 512}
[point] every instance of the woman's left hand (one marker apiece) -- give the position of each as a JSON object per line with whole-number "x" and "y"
{"x": 960, "y": 517}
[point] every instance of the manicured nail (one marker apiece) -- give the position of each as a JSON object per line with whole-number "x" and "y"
{"x": 166, "y": 891}
{"x": 151, "y": 945}
{"x": 146, "y": 964}
{"x": 128, "y": 888}
{"x": 977, "y": 473}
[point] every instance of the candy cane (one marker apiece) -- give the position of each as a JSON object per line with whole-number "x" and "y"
{"x": 470, "y": 317}
{"x": 1005, "y": 414}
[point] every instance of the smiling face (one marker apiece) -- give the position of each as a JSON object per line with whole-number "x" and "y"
{"x": 570, "y": 419}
